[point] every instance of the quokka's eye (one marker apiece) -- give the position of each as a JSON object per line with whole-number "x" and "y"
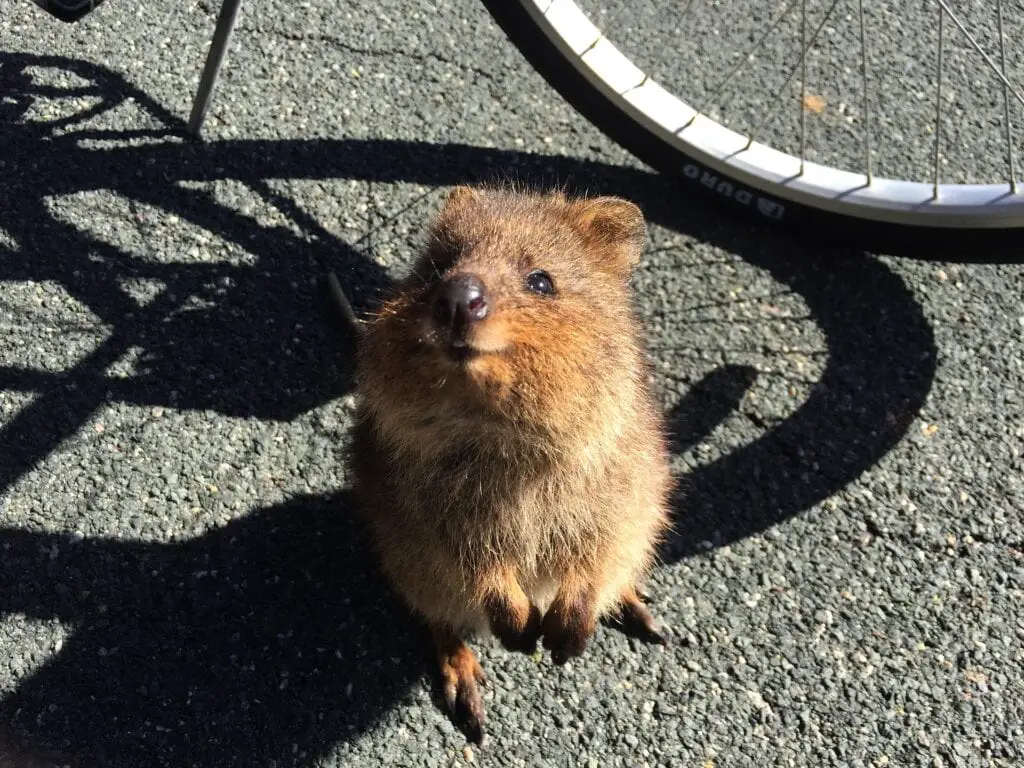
{"x": 540, "y": 282}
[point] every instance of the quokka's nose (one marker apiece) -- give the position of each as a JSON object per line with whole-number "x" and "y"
{"x": 460, "y": 301}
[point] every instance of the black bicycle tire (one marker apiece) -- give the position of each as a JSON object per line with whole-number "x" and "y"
{"x": 923, "y": 242}
{"x": 69, "y": 11}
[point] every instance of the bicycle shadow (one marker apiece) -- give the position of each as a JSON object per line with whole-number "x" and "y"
{"x": 179, "y": 650}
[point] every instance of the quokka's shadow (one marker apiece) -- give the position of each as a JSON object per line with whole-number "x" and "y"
{"x": 265, "y": 642}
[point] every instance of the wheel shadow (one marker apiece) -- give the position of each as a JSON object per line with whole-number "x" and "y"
{"x": 881, "y": 363}
{"x": 242, "y": 646}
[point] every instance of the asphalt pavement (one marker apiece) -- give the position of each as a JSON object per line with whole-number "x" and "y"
{"x": 182, "y": 581}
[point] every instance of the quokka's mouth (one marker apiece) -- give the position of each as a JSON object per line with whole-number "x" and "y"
{"x": 459, "y": 351}
{"x": 463, "y": 345}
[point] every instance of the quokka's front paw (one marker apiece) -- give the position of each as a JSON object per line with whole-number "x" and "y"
{"x": 516, "y": 626}
{"x": 524, "y": 640}
{"x": 567, "y": 629}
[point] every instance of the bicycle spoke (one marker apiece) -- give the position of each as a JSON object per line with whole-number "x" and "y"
{"x": 1006, "y": 100}
{"x": 735, "y": 70}
{"x": 613, "y": 22}
{"x": 938, "y": 103}
{"x": 803, "y": 57}
{"x": 657, "y": 65}
{"x": 867, "y": 100}
{"x": 803, "y": 86}
{"x": 976, "y": 46}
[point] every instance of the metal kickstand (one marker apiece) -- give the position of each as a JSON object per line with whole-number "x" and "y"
{"x": 214, "y": 58}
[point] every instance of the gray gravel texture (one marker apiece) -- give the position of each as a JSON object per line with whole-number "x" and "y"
{"x": 181, "y": 579}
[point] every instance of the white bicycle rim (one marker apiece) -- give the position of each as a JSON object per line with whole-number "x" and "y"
{"x": 754, "y": 174}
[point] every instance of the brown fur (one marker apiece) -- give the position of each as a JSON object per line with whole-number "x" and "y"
{"x": 524, "y": 490}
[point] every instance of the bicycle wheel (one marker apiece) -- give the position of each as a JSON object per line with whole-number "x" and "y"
{"x": 782, "y": 184}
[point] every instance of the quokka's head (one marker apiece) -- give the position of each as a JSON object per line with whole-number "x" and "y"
{"x": 520, "y": 305}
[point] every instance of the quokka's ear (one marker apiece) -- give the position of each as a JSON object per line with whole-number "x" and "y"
{"x": 460, "y": 197}
{"x": 458, "y": 200}
{"x": 615, "y": 225}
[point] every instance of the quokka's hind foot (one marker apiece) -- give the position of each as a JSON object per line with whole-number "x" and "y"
{"x": 460, "y": 675}
{"x": 634, "y": 619}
